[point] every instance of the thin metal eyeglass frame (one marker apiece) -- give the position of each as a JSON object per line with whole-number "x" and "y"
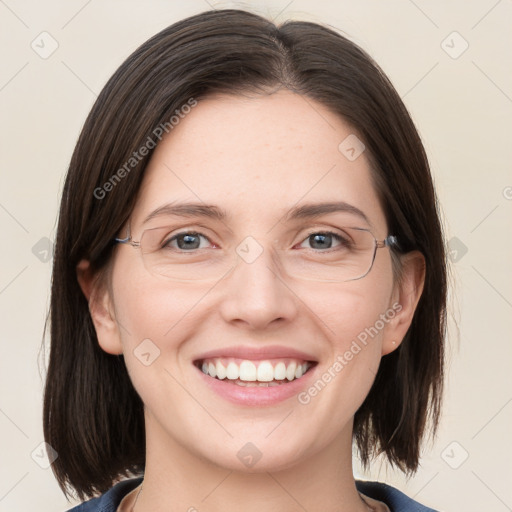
{"x": 390, "y": 241}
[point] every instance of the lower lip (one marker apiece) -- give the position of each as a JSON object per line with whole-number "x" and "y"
{"x": 257, "y": 396}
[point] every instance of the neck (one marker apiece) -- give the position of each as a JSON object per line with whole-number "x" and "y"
{"x": 177, "y": 479}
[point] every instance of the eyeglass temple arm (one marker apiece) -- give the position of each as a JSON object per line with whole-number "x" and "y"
{"x": 389, "y": 241}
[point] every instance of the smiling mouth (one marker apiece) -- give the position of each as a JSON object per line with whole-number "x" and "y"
{"x": 249, "y": 373}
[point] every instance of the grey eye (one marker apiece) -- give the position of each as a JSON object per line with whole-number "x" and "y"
{"x": 186, "y": 241}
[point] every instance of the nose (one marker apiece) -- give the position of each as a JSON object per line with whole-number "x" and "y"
{"x": 256, "y": 292}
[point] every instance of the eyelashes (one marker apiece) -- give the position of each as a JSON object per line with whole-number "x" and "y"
{"x": 184, "y": 240}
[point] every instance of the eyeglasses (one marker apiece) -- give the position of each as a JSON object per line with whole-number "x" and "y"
{"x": 179, "y": 256}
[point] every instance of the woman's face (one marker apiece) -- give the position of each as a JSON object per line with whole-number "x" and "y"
{"x": 255, "y": 159}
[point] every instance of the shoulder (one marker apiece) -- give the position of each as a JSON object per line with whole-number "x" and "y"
{"x": 109, "y": 500}
{"x": 393, "y": 498}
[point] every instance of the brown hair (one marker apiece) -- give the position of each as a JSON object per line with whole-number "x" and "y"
{"x": 93, "y": 417}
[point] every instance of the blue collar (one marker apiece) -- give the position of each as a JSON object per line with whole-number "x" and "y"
{"x": 393, "y": 498}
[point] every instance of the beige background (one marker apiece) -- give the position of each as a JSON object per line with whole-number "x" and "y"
{"x": 462, "y": 105}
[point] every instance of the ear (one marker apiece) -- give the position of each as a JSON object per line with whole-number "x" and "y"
{"x": 100, "y": 307}
{"x": 405, "y": 298}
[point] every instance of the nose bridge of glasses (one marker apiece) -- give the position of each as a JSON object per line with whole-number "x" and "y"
{"x": 262, "y": 251}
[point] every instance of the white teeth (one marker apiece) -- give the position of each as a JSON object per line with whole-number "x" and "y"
{"x": 249, "y": 373}
{"x": 280, "y": 371}
{"x": 290, "y": 371}
{"x": 221, "y": 370}
{"x": 265, "y": 372}
{"x": 232, "y": 371}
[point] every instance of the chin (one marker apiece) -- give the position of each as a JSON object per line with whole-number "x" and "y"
{"x": 259, "y": 455}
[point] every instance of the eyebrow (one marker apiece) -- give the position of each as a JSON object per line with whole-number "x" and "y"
{"x": 313, "y": 210}
{"x": 305, "y": 211}
{"x": 189, "y": 210}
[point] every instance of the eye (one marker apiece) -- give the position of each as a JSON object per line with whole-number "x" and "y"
{"x": 186, "y": 241}
{"x": 324, "y": 240}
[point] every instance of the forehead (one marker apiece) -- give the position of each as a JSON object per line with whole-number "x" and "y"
{"x": 256, "y": 158}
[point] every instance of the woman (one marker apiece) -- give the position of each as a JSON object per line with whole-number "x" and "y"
{"x": 249, "y": 276}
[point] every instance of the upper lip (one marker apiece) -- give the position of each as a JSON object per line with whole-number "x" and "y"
{"x": 257, "y": 353}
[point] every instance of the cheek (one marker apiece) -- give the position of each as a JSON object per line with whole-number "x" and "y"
{"x": 153, "y": 317}
{"x": 147, "y": 306}
{"x": 353, "y": 319}
{"x": 353, "y": 309}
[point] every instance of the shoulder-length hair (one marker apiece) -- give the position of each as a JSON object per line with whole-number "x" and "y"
{"x": 93, "y": 417}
